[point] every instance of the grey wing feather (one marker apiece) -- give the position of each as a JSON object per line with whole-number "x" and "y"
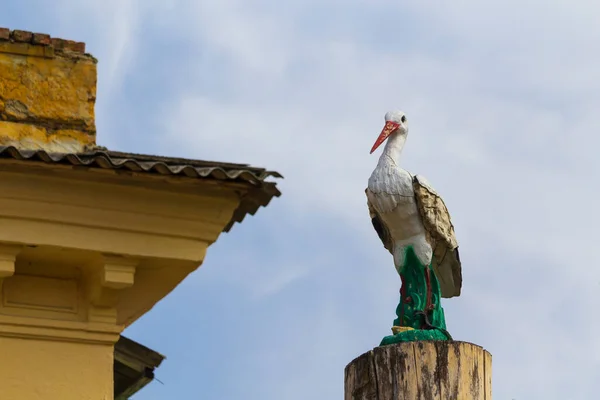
{"x": 380, "y": 228}
{"x": 441, "y": 236}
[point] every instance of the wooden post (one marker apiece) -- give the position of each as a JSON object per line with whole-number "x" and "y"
{"x": 426, "y": 370}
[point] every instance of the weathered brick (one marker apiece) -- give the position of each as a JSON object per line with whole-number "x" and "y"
{"x": 41, "y": 38}
{"x": 78, "y": 47}
{"x": 70, "y": 45}
{"x": 21, "y": 36}
{"x": 58, "y": 44}
{"x": 4, "y": 34}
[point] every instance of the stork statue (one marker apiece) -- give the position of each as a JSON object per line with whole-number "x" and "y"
{"x": 414, "y": 225}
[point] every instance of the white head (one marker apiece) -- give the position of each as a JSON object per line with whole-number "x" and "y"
{"x": 395, "y": 123}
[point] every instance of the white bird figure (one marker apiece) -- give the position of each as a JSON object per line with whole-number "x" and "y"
{"x": 406, "y": 212}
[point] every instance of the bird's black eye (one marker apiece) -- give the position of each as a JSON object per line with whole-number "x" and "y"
{"x": 403, "y": 119}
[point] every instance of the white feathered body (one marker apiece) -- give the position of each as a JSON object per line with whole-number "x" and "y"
{"x": 390, "y": 192}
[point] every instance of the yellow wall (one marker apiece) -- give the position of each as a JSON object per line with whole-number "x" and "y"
{"x": 78, "y": 265}
{"x": 42, "y": 370}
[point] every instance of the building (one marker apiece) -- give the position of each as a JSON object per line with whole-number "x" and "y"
{"x": 91, "y": 239}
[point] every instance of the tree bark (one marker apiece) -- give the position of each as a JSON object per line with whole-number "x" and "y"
{"x": 425, "y": 370}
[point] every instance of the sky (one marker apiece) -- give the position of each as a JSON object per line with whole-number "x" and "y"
{"x": 502, "y": 99}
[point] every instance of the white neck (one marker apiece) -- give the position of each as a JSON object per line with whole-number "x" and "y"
{"x": 393, "y": 147}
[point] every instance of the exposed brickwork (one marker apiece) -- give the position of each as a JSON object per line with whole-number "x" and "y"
{"x": 21, "y": 36}
{"x": 78, "y": 47}
{"x": 59, "y": 44}
{"x": 42, "y": 39}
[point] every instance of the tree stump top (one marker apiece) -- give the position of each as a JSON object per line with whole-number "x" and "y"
{"x": 425, "y": 370}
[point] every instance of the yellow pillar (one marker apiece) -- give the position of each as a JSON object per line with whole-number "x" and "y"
{"x": 38, "y": 368}
{"x": 58, "y": 326}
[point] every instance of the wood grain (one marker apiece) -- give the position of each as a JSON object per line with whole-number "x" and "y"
{"x": 424, "y": 370}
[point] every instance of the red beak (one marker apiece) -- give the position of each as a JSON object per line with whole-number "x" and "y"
{"x": 387, "y": 131}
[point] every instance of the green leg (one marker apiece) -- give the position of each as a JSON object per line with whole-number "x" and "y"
{"x": 419, "y": 307}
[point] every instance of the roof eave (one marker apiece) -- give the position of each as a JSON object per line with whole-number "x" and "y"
{"x": 259, "y": 194}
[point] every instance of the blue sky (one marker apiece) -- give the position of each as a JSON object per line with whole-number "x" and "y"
{"x": 502, "y": 99}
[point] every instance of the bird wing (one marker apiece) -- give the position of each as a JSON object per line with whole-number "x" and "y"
{"x": 440, "y": 234}
{"x": 380, "y": 227}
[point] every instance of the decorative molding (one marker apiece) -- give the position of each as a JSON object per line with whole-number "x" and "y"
{"x": 110, "y": 225}
{"x": 105, "y": 315}
{"x": 118, "y": 272}
{"x": 112, "y": 217}
{"x": 8, "y": 256}
{"x": 43, "y": 233}
{"x": 41, "y": 293}
{"x": 70, "y": 331}
{"x": 113, "y": 275}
